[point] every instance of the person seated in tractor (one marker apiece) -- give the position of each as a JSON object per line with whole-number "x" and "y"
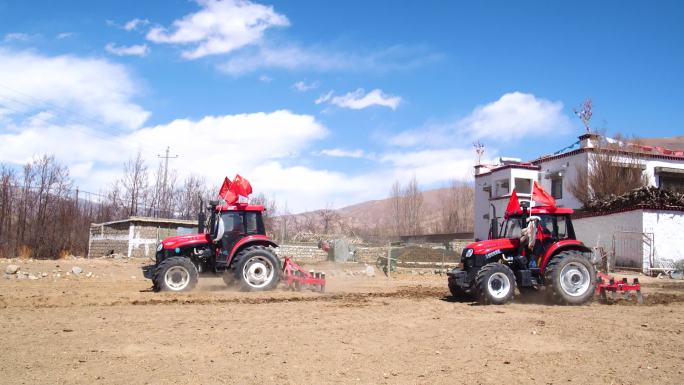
{"x": 528, "y": 239}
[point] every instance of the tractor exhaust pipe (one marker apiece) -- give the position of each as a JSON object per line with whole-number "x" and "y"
{"x": 493, "y": 224}
{"x": 201, "y": 217}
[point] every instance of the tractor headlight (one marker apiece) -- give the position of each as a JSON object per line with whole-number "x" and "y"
{"x": 160, "y": 246}
{"x": 468, "y": 253}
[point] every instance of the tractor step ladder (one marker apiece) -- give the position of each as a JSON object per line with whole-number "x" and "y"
{"x": 607, "y": 284}
{"x": 298, "y": 279}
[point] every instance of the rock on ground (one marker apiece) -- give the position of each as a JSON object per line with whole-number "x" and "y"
{"x": 11, "y": 269}
{"x": 76, "y": 270}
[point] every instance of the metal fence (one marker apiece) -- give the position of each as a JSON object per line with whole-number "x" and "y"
{"x": 632, "y": 249}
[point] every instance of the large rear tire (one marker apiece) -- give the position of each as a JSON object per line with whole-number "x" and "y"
{"x": 571, "y": 278}
{"x": 175, "y": 274}
{"x": 257, "y": 269}
{"x": 495, "y": 284}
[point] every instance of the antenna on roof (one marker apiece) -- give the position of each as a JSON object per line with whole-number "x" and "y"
{"x": 583, "y": 111}
{"x": 479, "y": 151}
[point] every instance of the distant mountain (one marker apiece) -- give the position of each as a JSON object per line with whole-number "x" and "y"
{"x": 374, "y": 217}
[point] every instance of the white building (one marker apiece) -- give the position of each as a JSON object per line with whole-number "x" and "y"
{"x": 555, "y": 173}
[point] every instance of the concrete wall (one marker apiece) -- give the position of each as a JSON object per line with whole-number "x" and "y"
{"x": 567, "y": 166}
{"x": 642, "y": 237}
{"x": 668, "y": 231}
{"x": 598, "y": 231}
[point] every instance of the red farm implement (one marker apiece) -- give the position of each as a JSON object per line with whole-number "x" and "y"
{"x": 298, "y": 279}
{"x": 606, "y": 284}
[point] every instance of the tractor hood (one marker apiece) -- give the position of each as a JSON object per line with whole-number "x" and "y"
{"x": 186, "y": 240}
{"x": 484, "y": 247}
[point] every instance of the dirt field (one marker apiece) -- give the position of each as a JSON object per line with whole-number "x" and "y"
{"x": 109, "y": 329}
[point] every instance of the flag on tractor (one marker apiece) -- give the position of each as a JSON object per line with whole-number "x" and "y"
{"x": 513, "y": 207}
{"x": 226, "y": 193}
{"x": 241, "y": 186}
{"x": 540, "y": 196}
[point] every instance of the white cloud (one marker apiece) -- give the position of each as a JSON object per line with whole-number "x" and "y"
{"x": 432, "y": 166}
{"x": 513, "y": 116}
{"x": 251, "y": 140}
{"x": 135, "y": 23}
{"x": 317, "y": 58}
{"x": 265, "y": 79}
{"x": 132, "y": 50}
{"x": 219, "y": 27}
{"x": 340, "y": 153}
{"x": 77, "y": 89}
{"x": 303, "y": 86}
{"x": 324, "y": 98}
{"x": 65, "y": 35}
{"x": 359, "y": 99}
{"x": 16, "y": 36}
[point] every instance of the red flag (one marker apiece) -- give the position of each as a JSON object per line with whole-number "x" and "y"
{"x": 241, "y": 186}
{"x": 226, "y": 192}
{"x": 513, "y": 205}
{"x": 540, "y": 195}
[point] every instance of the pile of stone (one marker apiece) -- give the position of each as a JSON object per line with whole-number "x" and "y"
{"x": 15, "y": 271}
{"x": 651, "y": 197}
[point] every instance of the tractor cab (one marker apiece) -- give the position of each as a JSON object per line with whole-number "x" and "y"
{"x": 228, "y": 224}
{"x": 548, "y": 226}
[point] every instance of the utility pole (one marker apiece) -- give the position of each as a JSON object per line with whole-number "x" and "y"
{"x": 166, "y": 158}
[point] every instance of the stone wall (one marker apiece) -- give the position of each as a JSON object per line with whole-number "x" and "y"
{"x": 136, "y": 239}
{"x": 310, "y": 252}
{"x": 108, "y": 239}
{"x": 302, "y": 252}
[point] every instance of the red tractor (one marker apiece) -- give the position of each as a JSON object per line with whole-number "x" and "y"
{"x": 537, "y": 248}
{"x": 232, "y": 244}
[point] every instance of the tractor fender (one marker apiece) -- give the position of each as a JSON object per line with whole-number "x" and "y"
{"x": 568, "y": 244}
{"x": 250, "y": 241}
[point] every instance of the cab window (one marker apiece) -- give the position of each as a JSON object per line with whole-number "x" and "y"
{"x": 251, "y": 223}
{"x": 513, "y": 228}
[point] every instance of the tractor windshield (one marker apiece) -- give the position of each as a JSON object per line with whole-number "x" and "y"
{"x": 513, "y": 227}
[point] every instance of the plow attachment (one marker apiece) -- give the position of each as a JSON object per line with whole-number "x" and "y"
{"x": 298, "y": 279}
{"x": 607, "y": 284}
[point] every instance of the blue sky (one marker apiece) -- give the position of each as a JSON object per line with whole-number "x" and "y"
{"x": 322, "y": 102}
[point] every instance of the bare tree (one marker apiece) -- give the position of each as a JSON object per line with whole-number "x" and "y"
{"x": 396, "y": 209}
{"x": 328, "y": 218}
{"x": 134, "y": 183}
{"x": 412, "y": 207}
{"x": 189, "y": 197}
{"x": 457, "y": 205}
{"x": 612, "y": 169}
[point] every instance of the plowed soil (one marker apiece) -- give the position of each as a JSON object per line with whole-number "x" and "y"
{"x": 110, "y": 329}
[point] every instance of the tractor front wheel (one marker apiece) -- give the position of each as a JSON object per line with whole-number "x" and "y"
{"x": 175, "y": 274}
{"x": 571, "y": 277}
{"x": 458, "y": 293}
{"x": 257, "y": 269}
{"x": 495, "y": 284}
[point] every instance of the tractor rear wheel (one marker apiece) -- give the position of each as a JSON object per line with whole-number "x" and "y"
{"x": 571, "y": 278}
{"x": 495, "y": 284}
{"x": 257, "y": 269}
{"x": 175, "y": 274}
